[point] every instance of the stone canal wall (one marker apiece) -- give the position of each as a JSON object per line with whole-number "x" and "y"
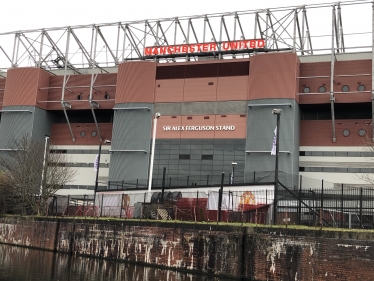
{"x": 255, "y": 253}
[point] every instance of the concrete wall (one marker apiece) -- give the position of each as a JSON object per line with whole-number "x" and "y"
{"x": 256, "y": 253}
{"x": 260, "y": 134}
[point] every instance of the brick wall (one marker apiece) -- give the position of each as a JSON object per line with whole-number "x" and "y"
{"x": 256, "y": 253}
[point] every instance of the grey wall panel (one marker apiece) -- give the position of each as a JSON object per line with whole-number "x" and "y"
{"x": 132, "y": 127}
{"x": 190, "y": 108}
{"x": 261, "y": 124}
{"x": 131, "y": 131}
{"x": 43, "y": 121}
{"x": 232, "y": 107}
{"x": 198, "y": 108}
{"x": 15, "y": 125}
{"x": 171, "y": 108}
{"x": 128, "y": 166}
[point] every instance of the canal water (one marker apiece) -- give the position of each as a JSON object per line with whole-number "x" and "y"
{"x": 21, "y": 264}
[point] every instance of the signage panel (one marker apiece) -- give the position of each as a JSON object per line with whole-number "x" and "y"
{"x": 205, "y": 47}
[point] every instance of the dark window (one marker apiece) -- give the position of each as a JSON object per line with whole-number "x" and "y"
{"x": 202, "y": 70}
{"x": 184, "y": 156}
{"x": 206, "y": 157}
{"x": 233, "y": 69}
{"x": 170, "y": 72}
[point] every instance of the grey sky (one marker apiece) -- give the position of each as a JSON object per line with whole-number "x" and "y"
{"x": 27, "y": 14}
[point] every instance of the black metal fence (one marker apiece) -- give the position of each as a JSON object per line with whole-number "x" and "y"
{"x": 300, "y": 200}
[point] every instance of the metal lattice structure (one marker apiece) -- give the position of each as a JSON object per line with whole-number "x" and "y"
{"x": 307, "y": 29}
{"x": 99, "y": 48}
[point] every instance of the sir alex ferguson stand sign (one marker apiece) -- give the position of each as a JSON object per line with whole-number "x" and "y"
{"x": 201, "y": 48}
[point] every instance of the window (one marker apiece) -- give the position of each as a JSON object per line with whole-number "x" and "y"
{"x": 361, "y": 88}
{"x": 206, "y": 157}
{"x": 184, "y": 156}
{"x": 306, "y": 90}
{"x": 362, "y": 133}
{"x": 345, "y": 88}
{"x": 346, "y": 132}
{"x": 322, "y": 89}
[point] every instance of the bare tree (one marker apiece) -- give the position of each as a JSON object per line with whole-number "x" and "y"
{"x": 33, "y": 173}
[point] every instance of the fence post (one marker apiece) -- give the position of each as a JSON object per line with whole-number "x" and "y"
{"x": 163, "y": 184}
{"x": 121, "y": 208}
{"x": 122, "y": 184}
{"x": 220, "y": 197}
{"x": 321, "y": 213}
{"x": 254, "y": 176}
{"x": 361, "y": 193}
{"x": 300, "y": 193}
{"x": 341, "y": 207}
{"x": 137, "y": 183}
{"x": 188, "y": 180}
{"x": 207, "y": 179}
{"x": 102, "y": 203}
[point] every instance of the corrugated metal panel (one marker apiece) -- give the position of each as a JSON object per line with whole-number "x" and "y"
{"x": 15, "y": 125}
{"x": 273, "y": 76}
{"x": 128, "y": 166}
{"x": 260, "y": 134}
{"x": 42, "y": 123}
{"x": 21, "y": 86}
{"x": 132, "y": 128}
{"x": 136, "y": 82}
{"x": 42, "y": 95}
{"x": 131, "y": 131}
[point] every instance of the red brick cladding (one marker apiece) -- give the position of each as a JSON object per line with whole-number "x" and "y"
{"x": 2, "y": 88}
{"x": 22, "y": 87}
{"x": 273, "y": 76}
{"x": 350, "y": 73}
{"x": 80, "y": 85}
{"x": 60, "y": 134}
{"x": 319, "y": 132}
{"x": 136, "y": 82}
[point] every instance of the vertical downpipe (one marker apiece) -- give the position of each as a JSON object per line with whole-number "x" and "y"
{"x": 332, "y": 97}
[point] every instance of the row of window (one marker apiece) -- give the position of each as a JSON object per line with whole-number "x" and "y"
{"x": 336, "y": 170}
{"x": 338, "y": 153}
{"x": 80, "y": 96}
{"x": 345, "y": 88}
{"x": 79, "y": 151}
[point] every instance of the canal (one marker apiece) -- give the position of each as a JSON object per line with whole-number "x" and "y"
{"x": 21, "y": 264}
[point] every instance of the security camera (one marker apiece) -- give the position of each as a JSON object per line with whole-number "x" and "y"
{"x": 277, "y": 111}
{"x": 157, "y": 115}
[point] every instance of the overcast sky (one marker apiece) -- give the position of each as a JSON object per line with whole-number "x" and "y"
{"x": 32, "y": 14}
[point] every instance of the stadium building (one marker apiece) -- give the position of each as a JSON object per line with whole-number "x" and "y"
{"x": 210, "y": 101}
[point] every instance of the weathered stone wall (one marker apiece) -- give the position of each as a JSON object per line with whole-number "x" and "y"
{"x": 256, "y": 253}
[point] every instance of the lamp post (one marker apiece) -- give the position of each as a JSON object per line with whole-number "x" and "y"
{"x": 157, "y": 115}
{"x": 97, "y": 166}
{"x": 277, "y": 112}
{"x": 233, "y": 172}
{"x": 46, "y": 139}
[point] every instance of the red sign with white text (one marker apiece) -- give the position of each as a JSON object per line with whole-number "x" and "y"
{"x": 205, "y": 47}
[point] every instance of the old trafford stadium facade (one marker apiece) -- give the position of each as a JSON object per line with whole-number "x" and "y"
{"x": 252, "y": 94}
